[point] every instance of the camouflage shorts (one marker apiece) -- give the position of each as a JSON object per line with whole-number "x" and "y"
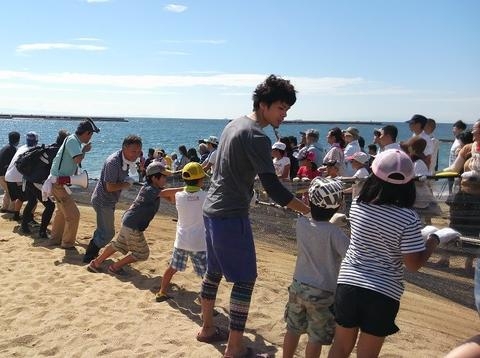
{"x": 308, "y": 311}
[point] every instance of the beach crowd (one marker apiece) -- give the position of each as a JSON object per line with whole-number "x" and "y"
{"x": 345, "y": 290}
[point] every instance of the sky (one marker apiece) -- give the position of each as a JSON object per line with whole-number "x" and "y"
{"x": 357, "y": 60}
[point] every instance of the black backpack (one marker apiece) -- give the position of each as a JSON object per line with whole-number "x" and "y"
{"x": 36, "y": 162}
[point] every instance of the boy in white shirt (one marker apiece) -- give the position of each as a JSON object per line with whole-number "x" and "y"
{"x": 190, "y": 235}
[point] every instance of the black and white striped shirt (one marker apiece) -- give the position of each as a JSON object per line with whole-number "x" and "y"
{"x": 380, "y": 235}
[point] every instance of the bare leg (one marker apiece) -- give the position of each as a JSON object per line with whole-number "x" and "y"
{"x": 343, "y": 342}
{"x": 290, "y": 343}
{"x": 166, "y": 278}
{"x": 208, "y": 327}
{"x": 313, "y": 350}
{"x": 235, "y": 345}
{"x": 124, "y": 261}
{"x": 106, "y": 253}
{"x": 369, "y": 346}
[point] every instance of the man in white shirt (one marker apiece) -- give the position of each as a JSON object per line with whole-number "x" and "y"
{"x": 417, "y": 124}
{"x": 429, "y": 128}
{"x": 388, "y": 138}
{"x": 212, "y": 144}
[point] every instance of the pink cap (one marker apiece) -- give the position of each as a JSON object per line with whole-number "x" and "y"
{"x": 393, "y": 166}
{"x": 360, "y": 157}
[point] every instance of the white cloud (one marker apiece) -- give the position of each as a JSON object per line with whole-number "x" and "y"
{"x": 92, "y": 1}
{"x": 58, "y": 46}
{"x": 305, "y": 85}
{"x": 175, "y": 8}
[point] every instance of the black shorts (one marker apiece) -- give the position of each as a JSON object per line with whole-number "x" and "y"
{"x": 373, "y": 312}
{"x": 15, "y": 191}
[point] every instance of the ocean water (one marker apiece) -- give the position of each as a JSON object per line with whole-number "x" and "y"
{"x": 169, "y": 134}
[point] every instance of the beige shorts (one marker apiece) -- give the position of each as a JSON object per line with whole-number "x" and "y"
{"x": 133, "y": 241}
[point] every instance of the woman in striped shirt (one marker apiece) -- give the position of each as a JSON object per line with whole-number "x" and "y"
{"x": 385, "y": 235}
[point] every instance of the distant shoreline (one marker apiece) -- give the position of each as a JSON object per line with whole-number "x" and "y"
{"x": 60, "y": 118}
{"x": 301, "y": 121}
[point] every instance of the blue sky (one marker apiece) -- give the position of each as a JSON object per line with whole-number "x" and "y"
{"x": 349, "y": 60}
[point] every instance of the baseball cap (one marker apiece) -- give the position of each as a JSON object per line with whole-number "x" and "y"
{"x": 352, "y": 131}
{"x": 418, "y": 118}
{"x": 31, "y": 139}
{"x": 325, "y": 193}
{"x": 312, "y": 133}
{"x": 212, "y": 139}
{"x": 193, "y": 171}
{"x": 360, "y": 157}
{"x": 157, "y": 167}
{"x": 87, "y": 126}
{"x": 279, "y": 145}
{"x": 393, "y": 166}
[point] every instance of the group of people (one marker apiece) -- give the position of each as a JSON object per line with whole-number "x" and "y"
{"x": 342, "y": 288}
{"x": 205, "y": 155}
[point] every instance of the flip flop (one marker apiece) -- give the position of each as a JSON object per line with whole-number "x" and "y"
{"x": 92, "y": 268}
{"x": 218, "y": 336}
{"x": 162, "y": 297}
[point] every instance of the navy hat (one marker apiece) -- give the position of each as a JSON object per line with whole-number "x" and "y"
{"x": 87, "y": 126}
{"x": 418, "y": 118}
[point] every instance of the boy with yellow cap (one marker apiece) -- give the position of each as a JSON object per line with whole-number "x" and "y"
{"x": 190, "y": 235}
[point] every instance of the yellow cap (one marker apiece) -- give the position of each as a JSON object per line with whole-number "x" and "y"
{"x": 193, "y": 171}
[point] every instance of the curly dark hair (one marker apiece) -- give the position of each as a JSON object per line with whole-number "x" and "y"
{"x": 274, "y": 89}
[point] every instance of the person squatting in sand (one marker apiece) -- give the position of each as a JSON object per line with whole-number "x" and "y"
{"x": 321, "y": 247}
{"x": 113, "y": 179}
{"x": 190, "y": 233}
{"x": 385, "y": 235}
{"x": 244, "y": 151}
{"x": 131, "y": 239}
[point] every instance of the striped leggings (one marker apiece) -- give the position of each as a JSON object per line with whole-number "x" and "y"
{"x": 239, "y": 299}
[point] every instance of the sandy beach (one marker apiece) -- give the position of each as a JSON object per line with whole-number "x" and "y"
{"x": 52, "y": 306}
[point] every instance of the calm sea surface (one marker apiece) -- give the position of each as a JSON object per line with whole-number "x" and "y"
{"x": 170, "y": 133}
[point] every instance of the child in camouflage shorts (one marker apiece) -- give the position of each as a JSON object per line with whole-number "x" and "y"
{"x": 321, "y": 247}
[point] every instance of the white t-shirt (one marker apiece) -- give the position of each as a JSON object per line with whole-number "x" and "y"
{"x": 12, "y": 174}
{"x": 424, "y": 194}
{"x": 393, "y": 145}
{"x": 351, "y": 148}
{"x": 280, "y": 164}
{"x": 361, "y": 173}
{"x": 436, "y": 148}
{"x": 190, "y": 227}
{"x": 429, "y": 147}
{"x": 453, "y": 151}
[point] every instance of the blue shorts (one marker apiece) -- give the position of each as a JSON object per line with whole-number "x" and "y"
{"x": 180, "y": 258}
{"x": 230, "y": 248}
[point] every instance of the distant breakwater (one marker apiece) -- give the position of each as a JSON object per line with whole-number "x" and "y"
{"x": 61, "y": 118}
